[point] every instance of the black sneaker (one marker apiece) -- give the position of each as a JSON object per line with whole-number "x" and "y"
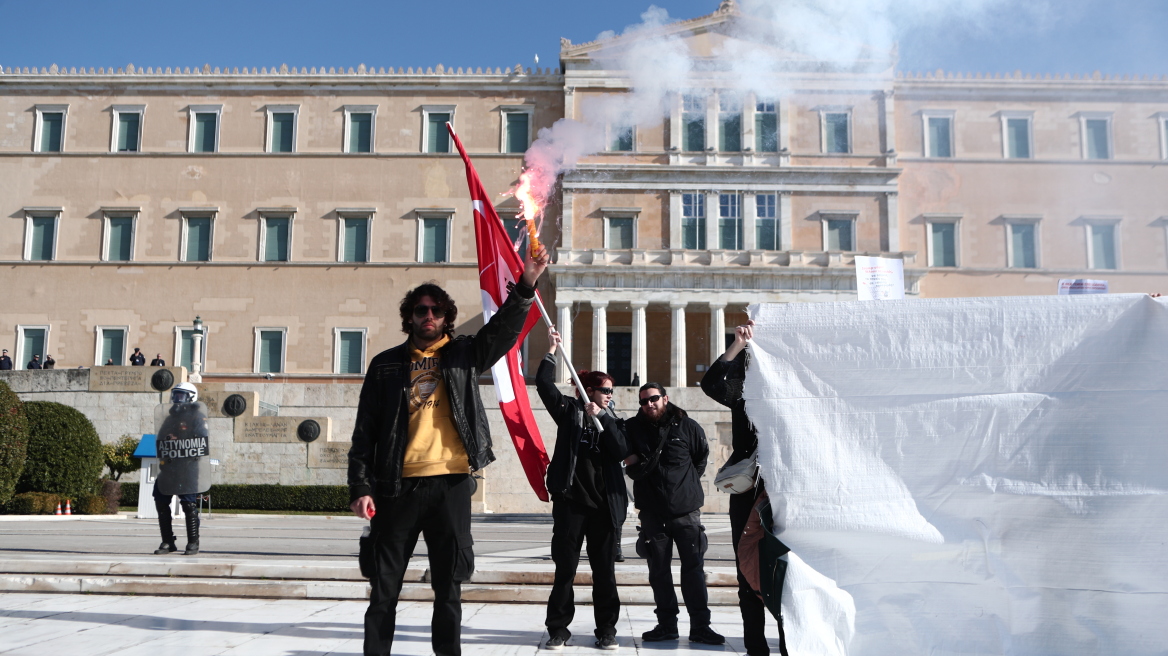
{"x": 165, "y": 548}
{"x": 555, "y": 643}
{"x": 620, "y": 555}
{"x": 660, "y": 633}
{"x": 706, "y": 636}
{"x": 607, "y": 642}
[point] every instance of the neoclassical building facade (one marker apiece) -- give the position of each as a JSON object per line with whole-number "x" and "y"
{"x": 290, "y": 209}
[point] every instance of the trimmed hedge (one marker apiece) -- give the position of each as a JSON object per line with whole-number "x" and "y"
{"x": 90, "y": 504}
{"x": 13, "y": 441}
{"x": 33, "y": 503}
{"x": 64, "y": 451}
{"x": 315, "y": 498}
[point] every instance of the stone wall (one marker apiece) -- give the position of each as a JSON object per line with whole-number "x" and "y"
{"x": 290, "y": 461}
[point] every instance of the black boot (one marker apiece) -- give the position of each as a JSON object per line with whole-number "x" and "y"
{"x": 192, "y": 515}
{"x": 164, "y": 525}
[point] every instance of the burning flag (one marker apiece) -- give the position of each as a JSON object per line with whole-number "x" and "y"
{"x": 499, "y": 265}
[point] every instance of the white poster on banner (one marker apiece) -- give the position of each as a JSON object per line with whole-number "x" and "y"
{"x": 879, "y": 278}
{"x": 967, "y": 475}
{"x": 1082, "y": 286}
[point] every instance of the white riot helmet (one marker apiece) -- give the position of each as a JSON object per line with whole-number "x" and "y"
{"x": 184, "y": 393}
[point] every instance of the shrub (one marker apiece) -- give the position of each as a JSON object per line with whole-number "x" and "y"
{"x": 111, "y": 491}
{"x": 64, "y": 451}
{"x": 13, "y": 441}
{"x": 90, "y": 504}
{"x": 328, "y": 498}
{"x": 129, "y": 494}
{"x": 33, "y": 503}
{"x": 118, "y": 456}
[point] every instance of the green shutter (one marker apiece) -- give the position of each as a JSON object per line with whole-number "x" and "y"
{"x": 283, "y": 131}
{"x": 43, "y": 234}
{"x": 112, "y": 346}
{"x": 939, "y": 137}
{"x": 1103, "y": 246}
{"x": 34, "y": 344}
{"x": 276, "y": 233}
{"x": 1018, "y": 133}
{"x": 128, "y": 123}
{"x": 198, "y": 239}
{"x": 51, "y": 124}
{"x": 434, "y": 240}
{"x": 1023, "y": 243}
{"x": 622, "y": 140}
{"x": 766, "y": 130}
{"x": 271, "y": 348}
{"x": 620, "y": 232}
{"x": 356, "y": 240}
{"x": 730, "y": 133}
{"x": 944, "y": 244}
{"x": 205, "y": 125}
{"x": 350, "y": 358}
{"x": 837, "y": 133}
{"x": 517, "y": 131}
{"x": 360, "y": 133}
{"x": 187, "y": 349}
{"x": 1097, "y": 147}
{"x": 121, "y": 239}
{"x": 839, "y": 235}
{"x": 693, "y": 134}
{"x": 437, "y": 138}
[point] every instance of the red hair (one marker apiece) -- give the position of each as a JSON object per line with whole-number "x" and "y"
{"x": 593, "y": 379}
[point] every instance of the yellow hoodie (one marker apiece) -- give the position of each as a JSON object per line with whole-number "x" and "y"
{"x": 434, "y": 447}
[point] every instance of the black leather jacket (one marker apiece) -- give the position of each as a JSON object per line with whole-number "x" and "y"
{"x": 671, "y": 487}
{"x": 568, "y": 413}
{"x": 723, "y": 383}
{"x": 382, "y": 427}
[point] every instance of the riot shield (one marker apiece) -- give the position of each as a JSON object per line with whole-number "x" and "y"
{"x": 184, "y": 448}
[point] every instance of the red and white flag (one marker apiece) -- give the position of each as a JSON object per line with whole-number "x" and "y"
{"x": 499, "y": 264}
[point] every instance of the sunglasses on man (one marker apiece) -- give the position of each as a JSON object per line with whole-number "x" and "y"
{"x": 421, "y": 310}
{"x": 650, "y": 399}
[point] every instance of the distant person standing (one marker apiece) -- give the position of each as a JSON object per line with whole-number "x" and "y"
{"x": 669, "y": 455}
{"x": 137, "y": 359}
{"x": 158, "y": 361}
{"x": 109, "y": 362}
{"x": 5, "y": 361}
{"x": 50, "y": 363}
{"x": 35, "y": 362}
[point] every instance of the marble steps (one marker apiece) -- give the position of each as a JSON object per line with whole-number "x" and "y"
{"x": 523, "y": 583}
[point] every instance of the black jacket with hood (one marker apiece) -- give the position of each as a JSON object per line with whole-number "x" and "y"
{"x": 568, "y": 413}
{"x": 381, "y": 432}
{"x": 723, "y": 383}
{"x": 672, "y": 485}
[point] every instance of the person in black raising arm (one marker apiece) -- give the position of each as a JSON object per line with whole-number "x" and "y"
{"x": 669, "y": 452}
{"x": 589, "y": 499}
{"x": 723, "y": 383}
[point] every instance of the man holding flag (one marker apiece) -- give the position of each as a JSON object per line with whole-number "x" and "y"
{"x": 420, "y": 432}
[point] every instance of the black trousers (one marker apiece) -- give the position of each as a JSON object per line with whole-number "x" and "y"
{"x": 749, "y": 603}
{"x": 655, "y": 544}
{"x": 189, "y": 504}
{"x": 439, "y": 507}
{"x": 572, "y": 524}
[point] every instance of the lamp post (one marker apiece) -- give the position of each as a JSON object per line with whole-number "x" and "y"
{"x": 197, "y": 357}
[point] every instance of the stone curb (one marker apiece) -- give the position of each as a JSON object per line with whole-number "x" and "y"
{"x": 58, "y": 518}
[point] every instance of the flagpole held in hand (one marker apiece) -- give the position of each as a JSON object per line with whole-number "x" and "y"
{"x": 568, "y": 362}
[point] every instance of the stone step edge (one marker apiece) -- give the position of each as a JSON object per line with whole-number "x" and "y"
{"x": 261, "y": 571}
{"x": 190, "y": 587}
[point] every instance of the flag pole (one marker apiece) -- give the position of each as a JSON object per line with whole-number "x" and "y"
{"x": 567, "y": 361}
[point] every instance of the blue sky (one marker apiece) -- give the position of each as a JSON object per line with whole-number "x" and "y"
{"x": 1078, "y": 36}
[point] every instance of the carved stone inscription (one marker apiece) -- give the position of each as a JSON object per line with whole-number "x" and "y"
{"x": 130, "y": 379}
{"x": 329, "y": 455}
{"x": 276, "y": 429}
{"x": 216, "y": 398}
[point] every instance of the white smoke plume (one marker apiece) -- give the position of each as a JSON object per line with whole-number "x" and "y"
{"x": 847, "y": 35}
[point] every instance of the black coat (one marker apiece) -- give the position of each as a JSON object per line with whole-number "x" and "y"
{"x": 568, "y": 413}
{"x": 5, "y": 363}
{"x": 381, "y": 432}
{"x": 672, "y": 487}
{"x": 723, "y": 383}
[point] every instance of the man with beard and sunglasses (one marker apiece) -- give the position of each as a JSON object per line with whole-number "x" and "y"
{"x": 420, "y": 432}
{"x": 669, "y": 452}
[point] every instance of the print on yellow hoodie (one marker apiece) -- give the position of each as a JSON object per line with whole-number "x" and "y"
{"x": 434, "y": 447}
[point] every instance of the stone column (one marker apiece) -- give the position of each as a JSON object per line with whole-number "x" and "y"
{"x": 599, "y": 335}
{"x": 564, "y": 325}
{"x": 892, "y": 206}
{"x": 786, "y": 228}
{"x": 196, "y": 374}
{"x": 640, "y": 364}
{"x": 678, "y": 371}
{"x": 712, "y": 220}
{"x": 717, "y": 330}
{"x": 749, "y": 221}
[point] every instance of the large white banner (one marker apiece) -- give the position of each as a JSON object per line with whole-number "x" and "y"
{"x": 968, "y": 476}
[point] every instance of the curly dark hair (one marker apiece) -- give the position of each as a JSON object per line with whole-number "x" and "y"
{"x": 439, "y": 296}
{"x": 593, "y": 379}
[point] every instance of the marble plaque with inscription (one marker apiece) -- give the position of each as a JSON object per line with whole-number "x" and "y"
{"x": 329, "y": 455}
{"x": 216, "y": 397}
{"x": 130, "y": 379}
{"x": 276, "y": 429}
